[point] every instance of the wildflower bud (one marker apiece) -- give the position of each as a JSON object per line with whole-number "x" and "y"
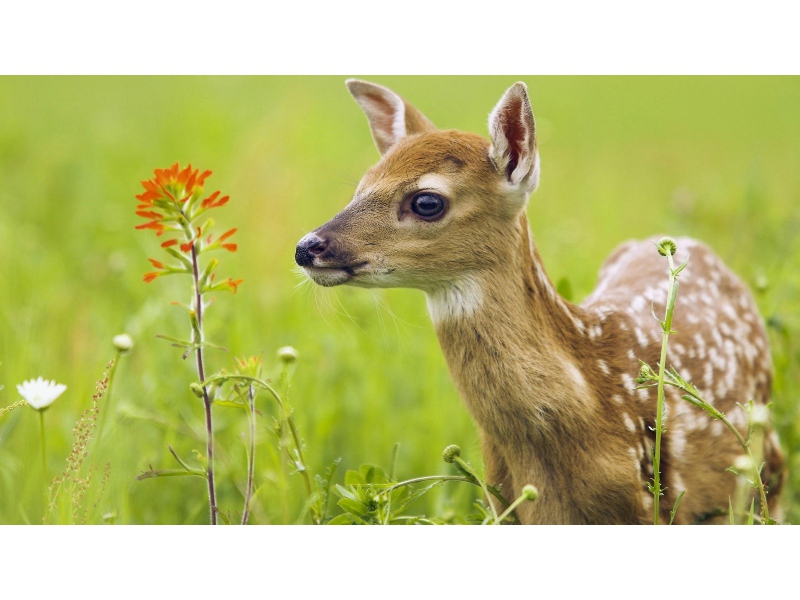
{"x": 530, "y": 493}
{"x": 197, "y": 389}
{"x": 644, "y": 374}
{"x": 451, "y": 453}
{"x": 123, "y": 342}
{"x": 667, "y": 246}
{"x": 287, "y": 355}
{"x": 194, "y": 321}
{"x": 743, "y": 464}
{"x": 759, "y": 416}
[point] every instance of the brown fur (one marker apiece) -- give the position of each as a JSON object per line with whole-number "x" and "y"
{"x": 549, "y": 383}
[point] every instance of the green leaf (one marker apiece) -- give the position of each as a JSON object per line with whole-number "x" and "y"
{"x": 675, "y": 508}
{"x": 680, "y": 268}
{"x": 353, "y": 506}
{"x": 229, "y": 403}
{"x": 169, "y": 473}
{"x": 343, "y": 519}
{"x": 344, "y": 493}
{"x": 175, "y": 341}
{"x": 184, "y": 261}
{"x": 354, "y": 478}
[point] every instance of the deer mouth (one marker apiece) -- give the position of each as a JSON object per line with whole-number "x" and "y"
{"x": 329, "y": 276}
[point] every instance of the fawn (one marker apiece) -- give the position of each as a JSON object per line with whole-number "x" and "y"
{"x": 549, "y": 383}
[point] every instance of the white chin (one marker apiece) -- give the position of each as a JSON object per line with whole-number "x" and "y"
{"x": 327, "y": 277}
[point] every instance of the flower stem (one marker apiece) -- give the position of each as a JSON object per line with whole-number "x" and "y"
{"x": 286, "y": 417}
{"x": 251, "y": 461}
{"x": 672, "y": 292}
{"x": 198, "y": 335}
{"x": 44, "y": 451}
{"x": 467, "y": 468}
{"x": 746, "y": 446}
{"x": 511, "y": 508}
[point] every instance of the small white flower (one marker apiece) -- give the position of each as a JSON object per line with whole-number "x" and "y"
{"x": 40, "y": 393}
{"x": 123, "y": 342}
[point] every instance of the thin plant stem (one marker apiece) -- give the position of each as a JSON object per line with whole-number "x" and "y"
{"x": 198, "y": 335}
{"x": 481, "y": 482}
{"x": 743, "y": 442}
{"x": 287, "y": 417}
{"x": 511, "y": 508}
{"x": 666, "y": 325}
{"x": 251, "y": 461}
{"x": 431, "y": 478}
{"x": 44, "y": 452}
{"x": 286, "y": 414}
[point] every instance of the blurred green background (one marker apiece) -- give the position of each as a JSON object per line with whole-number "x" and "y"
{"x": 717, "y": 158}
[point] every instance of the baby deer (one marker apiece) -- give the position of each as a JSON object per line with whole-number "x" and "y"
{"x": 549, "y": 383}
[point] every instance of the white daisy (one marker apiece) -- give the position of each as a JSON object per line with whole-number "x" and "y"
{"x": 40, "y": 393}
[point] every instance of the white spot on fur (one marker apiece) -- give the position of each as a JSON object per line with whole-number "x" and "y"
{"x": 677, "y": 483}
{"x": 701, "y": 345}
{"x": 577, "y": 322}
{"x": 677, "y": 441}
{"x": 708, "y": 374}
{"x": 577, "y": 378}
{"x": 636, "y": 460}
{"x": 627, "y": 383}
{"x": 603, "y": 367}
{"x": 629, "y": 424}
{"x": 728, "y": 310}
{"x": 641, "y": 337}
{"x": 456, "y": 301}
{"x": 618, "y": 399}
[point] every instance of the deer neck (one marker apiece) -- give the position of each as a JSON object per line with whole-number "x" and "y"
{"x": 509, "y": 340}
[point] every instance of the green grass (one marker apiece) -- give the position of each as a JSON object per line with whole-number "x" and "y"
{"x": 715, "y": 158}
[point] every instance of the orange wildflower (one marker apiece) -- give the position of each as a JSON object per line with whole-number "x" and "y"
{"x": 233, "y": 284}
{"x": 172, "y": 201}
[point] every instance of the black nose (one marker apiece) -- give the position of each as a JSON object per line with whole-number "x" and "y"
{"x": 310, "y": 246}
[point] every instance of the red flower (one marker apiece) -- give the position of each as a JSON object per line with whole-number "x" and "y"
{"x": 173, "y": 184}
{"x": 172, "y": 201}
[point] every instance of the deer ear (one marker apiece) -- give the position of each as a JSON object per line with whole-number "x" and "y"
{"x": 513, "y": 134}
{"x": 390, "y": 117}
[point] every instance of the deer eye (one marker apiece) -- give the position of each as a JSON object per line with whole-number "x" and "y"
{"x": 427, "y": 205}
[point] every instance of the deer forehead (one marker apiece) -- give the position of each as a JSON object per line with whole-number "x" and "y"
{"x": 441, "y": 161}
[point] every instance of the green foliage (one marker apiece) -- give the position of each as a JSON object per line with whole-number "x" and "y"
{"x": 370, "y": 497}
